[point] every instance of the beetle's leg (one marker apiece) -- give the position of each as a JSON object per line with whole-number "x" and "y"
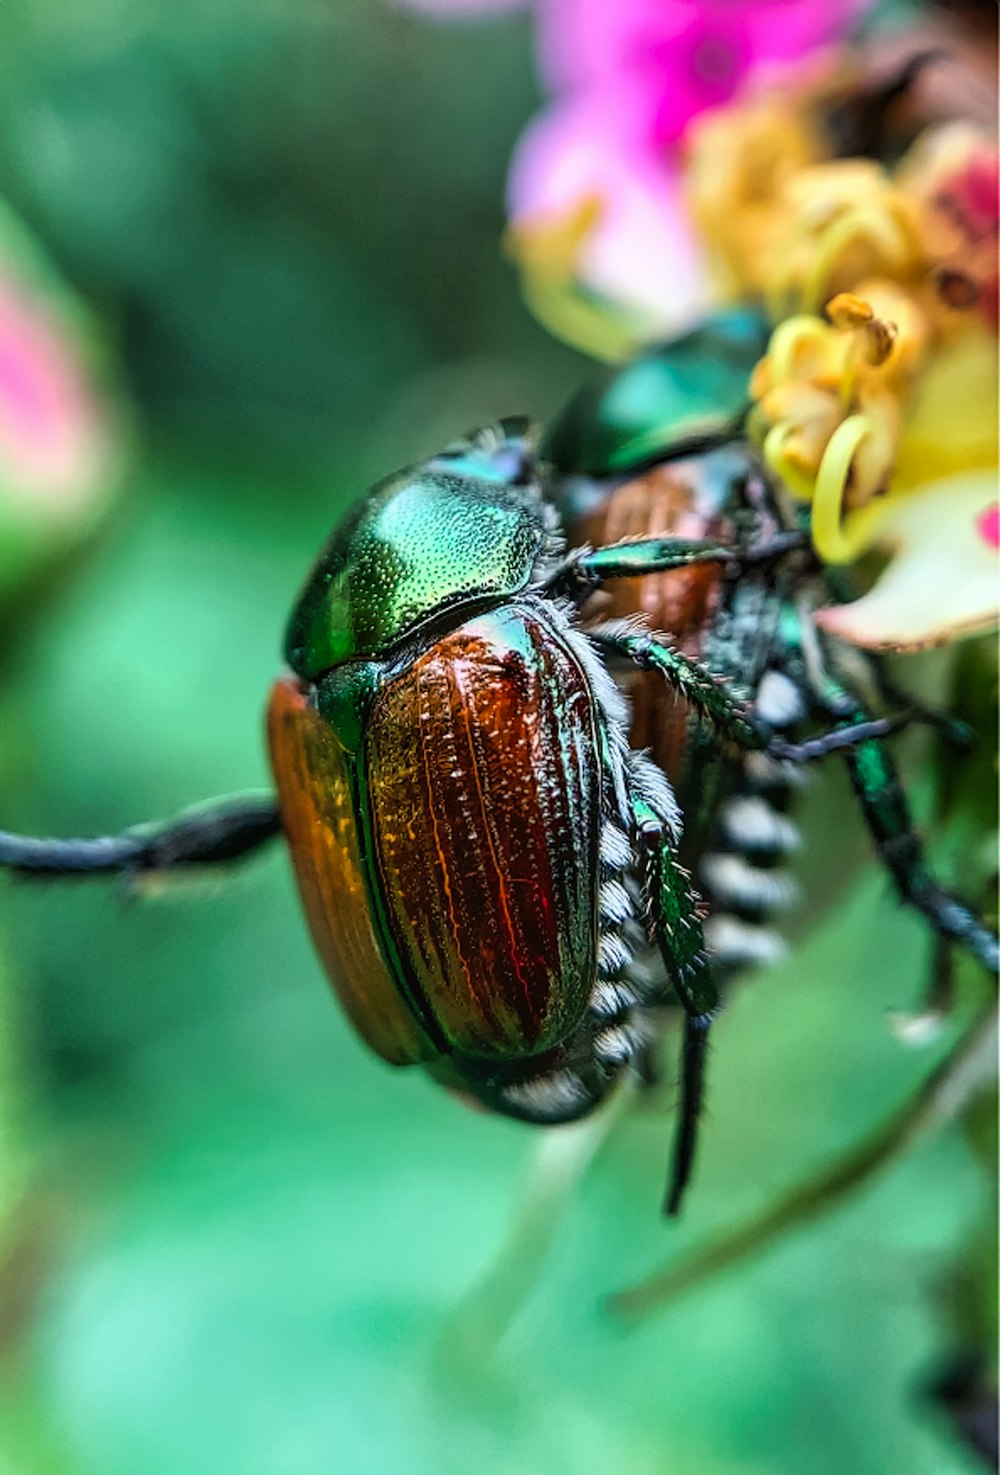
{"x": 939, "y": 995}
{"x": 887, "y": 814}
{"x": 588, "y": 568}
{"x": 733, "y": 719}
{"x": 675, "y": 919}
{"x": 884, "y": 805}
{"x": 957, "y": 734}
{"x": 220, "y": 831}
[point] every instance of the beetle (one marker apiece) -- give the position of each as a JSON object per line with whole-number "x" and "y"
{"x": 479, "y": 849}
{"x": 656, "y": 450}
{"x": 652, "y": 451}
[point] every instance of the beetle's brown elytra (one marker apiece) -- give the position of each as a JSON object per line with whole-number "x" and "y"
{"x": 485, "y": 801}
{"x": 676, "y": 500}
{"x": 317, "y": 813}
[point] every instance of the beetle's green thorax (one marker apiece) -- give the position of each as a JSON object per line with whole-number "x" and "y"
{"x": 462, "y": 530}
{"x": 693, "y": 385}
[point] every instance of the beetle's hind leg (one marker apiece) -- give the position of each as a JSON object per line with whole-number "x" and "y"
{"x": 211, "y": 834}
{"x": 570, "y": 1082}
{"x": 674, "y": 918}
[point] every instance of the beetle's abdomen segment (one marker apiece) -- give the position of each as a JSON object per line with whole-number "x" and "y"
{"x": 311, "y": 772}
{"x": 485, "y": 791}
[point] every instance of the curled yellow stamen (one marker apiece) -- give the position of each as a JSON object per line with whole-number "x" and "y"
{"x": 880, "y": 231}
{"x": 836, "y": 538}
{"x": 789, "y": 338}
{"x": 797, "y": 481}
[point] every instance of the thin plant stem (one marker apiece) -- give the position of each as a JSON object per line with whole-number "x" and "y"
{"x": 559, "y": 1163}
{"x": 969, "y": 1068}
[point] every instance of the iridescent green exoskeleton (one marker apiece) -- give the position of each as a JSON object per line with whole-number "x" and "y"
{"x": 486, "y": 860}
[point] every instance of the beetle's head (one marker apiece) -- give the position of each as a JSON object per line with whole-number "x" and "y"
{"x": 506, "y": 451}
{"x": 675, "y": 399}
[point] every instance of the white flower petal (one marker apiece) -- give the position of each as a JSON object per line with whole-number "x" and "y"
{"x": 943, "y": 580}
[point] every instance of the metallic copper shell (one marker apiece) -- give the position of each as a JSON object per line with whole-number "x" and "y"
{"x": 484, "y": 785}
{"x": 311, "y": 771}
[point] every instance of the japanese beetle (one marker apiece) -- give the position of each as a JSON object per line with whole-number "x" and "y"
{"x": 650, "y": 451}
{"x": 637, "y": 454}
{"x": 480, "y": 851}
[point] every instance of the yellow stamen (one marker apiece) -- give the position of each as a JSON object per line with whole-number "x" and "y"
{"x": 788, "y": 340}
{"x": 795, "y": 479}
{"x": 849, "y": 311}
{"x": 836, "y": 539}
{"x": 880, "y": 231}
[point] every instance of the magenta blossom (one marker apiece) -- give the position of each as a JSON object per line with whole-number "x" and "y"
{"x": 60, "y": 429}
{"x": 988, "y": 526}
{"x": 594, "y": 198}
{"x": 629, "y": 76}
{"x": 683, "y": 55}
{"x": 51, "y": 431}
{"x": 445, "y": 9}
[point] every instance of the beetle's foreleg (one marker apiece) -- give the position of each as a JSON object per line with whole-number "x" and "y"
{"x": 223, "y": 830}
{"x": 675, "y": 920}
{"x": 735, "y": 720}
{"x": 588, "y": 568}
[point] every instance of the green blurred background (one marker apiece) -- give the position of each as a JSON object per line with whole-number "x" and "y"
{"x": 233, "y": 1242}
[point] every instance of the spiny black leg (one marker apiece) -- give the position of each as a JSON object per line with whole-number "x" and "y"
{"x": 884, "y": 805}
{"x": 675, "y": 923}
{"x": 734, "y": 720}
{"x": 674, "y": 914}
{"x": 223, "y": 830}
{"x": 693, "y": 1056}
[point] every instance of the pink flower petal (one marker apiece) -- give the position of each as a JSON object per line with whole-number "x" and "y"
{"x": 457, "y": 9}
{"x": 700, "y": 47}
{"x": 641, "y": 254}
{"x": 52, "y": 433}
{"x": 576, "y": 144}
{"x": 988, "y": 526}
{"x": 586, "y": 41}
{"x": 784, "y": 30}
